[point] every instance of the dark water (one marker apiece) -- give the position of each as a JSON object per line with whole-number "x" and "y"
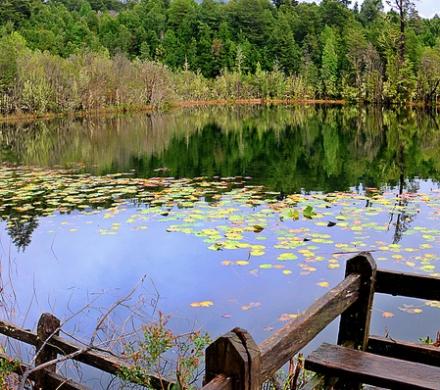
{"x": 68, "y": 240}
{"x": 286, "y": 149}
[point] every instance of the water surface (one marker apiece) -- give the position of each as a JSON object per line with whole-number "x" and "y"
{"x": 223, "y": 224}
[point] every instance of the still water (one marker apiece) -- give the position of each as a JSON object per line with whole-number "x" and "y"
{"x": 219, "y": 217}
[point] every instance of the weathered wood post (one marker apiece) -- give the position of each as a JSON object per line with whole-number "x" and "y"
{"x": 236, "y": 356}
{"x": 354, "y": 326}
{"x": 48, "y": 326}
{"x": 355, "y": 322}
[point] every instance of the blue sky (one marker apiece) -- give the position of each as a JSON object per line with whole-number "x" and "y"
{"x": 427, "y": 8}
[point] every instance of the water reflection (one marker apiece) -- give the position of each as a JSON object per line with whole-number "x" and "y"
{"x": 286, "y": 148}
{"x": 388, "y": 156}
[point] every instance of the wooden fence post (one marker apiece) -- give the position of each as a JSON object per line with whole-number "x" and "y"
{"x": 237, "y": 356}
{"x": 354, "y": 326}
{"x": 355, "y": 322}
{"x": 48, "y": 326}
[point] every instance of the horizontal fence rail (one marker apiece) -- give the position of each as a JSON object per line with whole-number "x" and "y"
{"x": 289, "y": 340}
{"x": 401, "y": 349}
{"x": 101, "y": 360}
{"x": 54, "y": 380}
{"x": 408, "y": 285}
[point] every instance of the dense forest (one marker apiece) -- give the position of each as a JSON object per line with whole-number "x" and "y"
{"x": 61, "y": 55}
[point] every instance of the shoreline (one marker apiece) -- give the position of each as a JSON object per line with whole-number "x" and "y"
{"x": 175, "y": 105}
{"x": 31, "y": 117}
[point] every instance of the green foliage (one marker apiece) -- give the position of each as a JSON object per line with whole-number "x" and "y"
{"x": 7, "y": 367}
{"x": 428, "y": 81}
{"x": 42, "y": 82}
{"x": 12, "y": 46}
{"x": 149, "y": 355}
{"x": 370, "y": 11}
{"x": 329, "y": 67}
{"x": 400, "y": 84}
{"x": 322, "y": 50}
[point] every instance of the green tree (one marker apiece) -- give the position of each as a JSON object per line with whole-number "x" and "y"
{"x": 11, "y": 48}
{"x": 370, "y": 11}
{"x": 329, "y": 66}
{"x": 284, "y": 49}
{"x": 17, "y": 11}
{"x": 428, "y": 82}
{"x": 404, "y": 8}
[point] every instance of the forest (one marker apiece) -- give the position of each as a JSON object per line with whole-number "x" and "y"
{"x": 69, "y": 55}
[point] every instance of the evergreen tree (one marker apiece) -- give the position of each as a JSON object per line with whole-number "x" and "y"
{"x": 329, "y": 67}
{"x": 370, "y": 10}
{"x": 284, "y": 49}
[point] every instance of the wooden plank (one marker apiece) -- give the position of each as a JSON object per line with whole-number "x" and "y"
{"x": 220, "y": 382}
{"x": 101, "y": 360}
{"x": 420, "y": 353}
{"x": 408, "y": 285}
{"x": 372, "y": 369}
{"x": 354, "y": 327}
{"x": 285, "y": 343}
{"x": 17, "y": 333}
{"x": 54, "y": 381}
{"x": 235, "y": 355}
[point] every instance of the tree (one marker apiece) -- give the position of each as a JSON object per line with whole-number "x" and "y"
{"x": 173, "y": 55}
{"x": 17, "y": 11}
{"x": 205, "y": 54}
{"x": 182, "y": 20}
{"x": 400, "y": 83}
{"x": 370, "y": 11}
{"x": 252, "y": 19}
{"x": 428, "y": 83}
{"x": 11, "y": 48}
{"x": 329, "y": 67}
{"x": 284, "y": 49}
{"x": 335, "y": 13}
{"x": 211, "y": 14}
{"x": 357, "y": 45}
{"x": 403, "y": 8}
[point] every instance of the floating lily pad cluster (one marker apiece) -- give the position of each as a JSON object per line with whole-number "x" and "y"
{"x": 253, "y": 229}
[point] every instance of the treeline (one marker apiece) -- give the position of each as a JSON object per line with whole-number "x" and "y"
{"x": 212, "y": 49}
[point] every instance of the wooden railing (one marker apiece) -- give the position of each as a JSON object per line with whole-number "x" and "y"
{"x": 48, "y": 344}
{"x": 234, "y": 361}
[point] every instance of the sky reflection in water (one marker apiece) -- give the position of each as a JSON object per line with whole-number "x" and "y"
{"x": 67, "y": 259}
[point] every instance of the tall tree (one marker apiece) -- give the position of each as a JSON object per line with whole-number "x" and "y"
{"x": 403, "y": 8}
{"x": 285, "y": 51}
{"x": 329, "y": 67}
{"x": 16, "y": 11}
{"x": 370, "y": 10}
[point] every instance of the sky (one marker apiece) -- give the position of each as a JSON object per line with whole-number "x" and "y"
{"x": 427, "y": 8}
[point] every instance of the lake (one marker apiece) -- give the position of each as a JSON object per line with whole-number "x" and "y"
{"x": 231, "y": 216}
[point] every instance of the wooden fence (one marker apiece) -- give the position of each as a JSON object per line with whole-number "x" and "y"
{"x": 234, "y": 361}
{"x": 48, "y": 345}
